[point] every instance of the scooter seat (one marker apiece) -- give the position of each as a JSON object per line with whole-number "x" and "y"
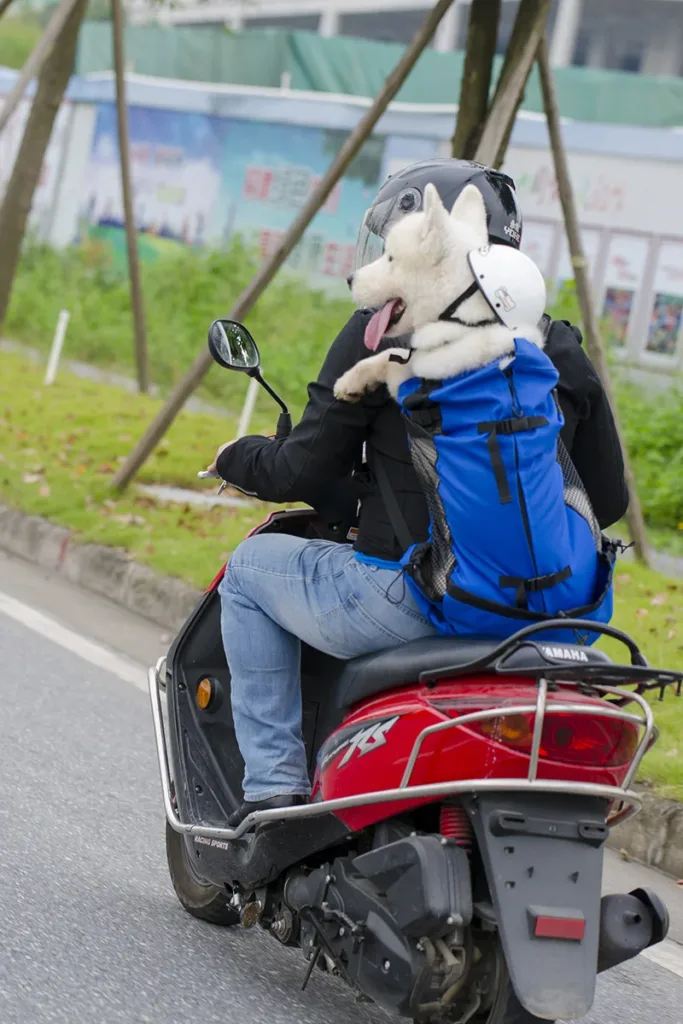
{"x": 372, "y": 674}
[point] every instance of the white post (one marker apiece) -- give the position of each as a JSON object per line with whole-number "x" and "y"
{"x": 446, "y": 37}
{"x": 329, "y": 22}
{"x": 565, "y": 33}
{"x": 57, "y": 346}
{"x": 247, "y": 408}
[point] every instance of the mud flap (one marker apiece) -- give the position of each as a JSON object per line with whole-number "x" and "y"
{"x": 543, "y": 858}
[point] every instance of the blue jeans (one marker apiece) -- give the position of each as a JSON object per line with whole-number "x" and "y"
{"x": 277, "y": 591}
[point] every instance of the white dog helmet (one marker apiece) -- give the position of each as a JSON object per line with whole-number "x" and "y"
{"x": 511, "y": 283}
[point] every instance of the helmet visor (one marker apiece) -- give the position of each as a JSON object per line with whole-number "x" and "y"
{"x": 379, "y": 219}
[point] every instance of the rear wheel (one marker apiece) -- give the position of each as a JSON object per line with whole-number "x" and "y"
{"x": 506, "y": 1007}
{"x": 200, "y": 898}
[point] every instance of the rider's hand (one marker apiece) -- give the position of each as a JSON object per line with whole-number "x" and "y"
{"x": 212, "y": 467}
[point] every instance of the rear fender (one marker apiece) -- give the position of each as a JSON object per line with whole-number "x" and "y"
{"x": 543, "y": 858}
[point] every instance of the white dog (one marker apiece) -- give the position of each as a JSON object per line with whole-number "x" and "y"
{"x": 425, "y": 276}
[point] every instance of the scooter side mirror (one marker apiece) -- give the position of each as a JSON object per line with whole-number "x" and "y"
{"x": 232, "y": 346}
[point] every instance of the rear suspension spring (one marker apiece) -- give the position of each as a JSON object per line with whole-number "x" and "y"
{"x": 455, "y": 824}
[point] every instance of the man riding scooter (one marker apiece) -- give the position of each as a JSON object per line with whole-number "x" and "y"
{"x": 348, "y": 601}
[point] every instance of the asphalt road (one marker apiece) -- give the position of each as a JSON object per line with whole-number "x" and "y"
{"x": 90, "y": 930}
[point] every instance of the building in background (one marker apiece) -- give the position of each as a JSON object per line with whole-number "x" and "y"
{"x": 629, "y": 35}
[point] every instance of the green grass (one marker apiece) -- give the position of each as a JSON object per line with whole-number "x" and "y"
{"x": 649, "y": 607}
{"x": 18, "y": 36}
{"x": 60, "y": 445}
{"x": 184, "y": 290}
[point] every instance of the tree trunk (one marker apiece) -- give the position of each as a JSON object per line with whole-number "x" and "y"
{"x": 482, "y": 33}
{"x": 532, "y": 16}
{"x": 16, "y": 205}
{"x": 596, "y": 351}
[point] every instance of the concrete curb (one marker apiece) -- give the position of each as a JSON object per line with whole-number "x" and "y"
{"x": 654, "y": 837}
{"x": 108, "y": 571}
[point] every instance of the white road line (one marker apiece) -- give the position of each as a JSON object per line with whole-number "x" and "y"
{"x": 667, "y": 954}
{"x": 124, "y": 668}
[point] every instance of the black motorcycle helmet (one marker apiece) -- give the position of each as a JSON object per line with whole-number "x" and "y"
{"x": 402, "y": 193}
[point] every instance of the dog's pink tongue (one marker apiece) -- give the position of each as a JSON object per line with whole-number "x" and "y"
{"x": 377, "y": 325}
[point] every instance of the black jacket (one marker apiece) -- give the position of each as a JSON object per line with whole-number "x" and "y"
{"x": 316, "y": 462}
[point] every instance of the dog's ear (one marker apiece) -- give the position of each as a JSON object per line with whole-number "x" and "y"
{"x": 469, "y": 207}
{"x": 435, "y": 224}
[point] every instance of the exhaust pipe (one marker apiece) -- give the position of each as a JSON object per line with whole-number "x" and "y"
{"x": 630, "y": 923}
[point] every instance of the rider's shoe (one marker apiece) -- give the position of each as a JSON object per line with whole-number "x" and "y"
{"x": 275, "y": 802}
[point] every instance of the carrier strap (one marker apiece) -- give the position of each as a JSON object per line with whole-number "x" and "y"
{"x": 422, "y": 410}
{"x": 393, "y": 509}
{"x": 449, "y": 312}
{"x": 606, "y": 557}
{"x": 534, "y": 585}
{"x": 493, "y": 428}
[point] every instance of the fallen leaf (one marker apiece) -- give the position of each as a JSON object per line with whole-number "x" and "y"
{"x": 106, "y": 467}
{"x": 129, "y": 520}
{"x": 44, "y": 491}
{"x": 625, "y": 855}
{"x": 623, "y": 577}
{"x": 125, "y": 437}
{"x": 32, "y": 478}
{"x": 642, "y": 612}
{"x": 658, "y": 599}
{"x": 671, "y": 634}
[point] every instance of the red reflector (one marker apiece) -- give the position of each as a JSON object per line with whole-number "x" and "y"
{"x": 572, "y": 928}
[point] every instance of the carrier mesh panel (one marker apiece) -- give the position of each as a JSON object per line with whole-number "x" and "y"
{"x": 575, "y": 495}
{"x": 439, "y": 563}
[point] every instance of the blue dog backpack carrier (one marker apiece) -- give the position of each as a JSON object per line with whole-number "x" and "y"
{"x": 513, "y": 538}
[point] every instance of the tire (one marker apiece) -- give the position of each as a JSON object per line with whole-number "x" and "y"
{"x": 507, "y": 1008}
{"x": 201, "y": 899}
{"x": 513, "y": 1012}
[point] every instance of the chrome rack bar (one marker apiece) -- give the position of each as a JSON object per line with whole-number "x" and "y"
{"x": 630, "y": 801}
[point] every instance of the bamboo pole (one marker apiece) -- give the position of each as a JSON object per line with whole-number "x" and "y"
{"x": 513, "y": 79}
{"x": 473, "y": 104}
{"x": 136, "y": 298}
{"x": 36, "y": 59}
{"x": 260, "y": 282}
{"x": 594, "y": 343}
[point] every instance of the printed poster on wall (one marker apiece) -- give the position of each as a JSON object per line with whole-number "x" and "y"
{"x": 667, "y": 309}
{"x": 10, "y": 140}
{"x": 626, "y": 259}
{"x": 199, "y": 179}
{"x": 176, "y": 165}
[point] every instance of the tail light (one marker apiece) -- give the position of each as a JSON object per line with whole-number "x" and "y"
{"x": 568, "y": 738}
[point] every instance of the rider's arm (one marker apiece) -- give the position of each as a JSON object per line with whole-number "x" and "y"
{"x": 590, "y": 433}
{"x": 322, "y": 447}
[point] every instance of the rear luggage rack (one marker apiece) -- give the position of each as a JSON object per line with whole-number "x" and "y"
{"x": 571, "y": 674}
{"x": 554, "y": 667}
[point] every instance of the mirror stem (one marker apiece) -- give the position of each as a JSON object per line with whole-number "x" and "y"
{"x": 273, "y": 394}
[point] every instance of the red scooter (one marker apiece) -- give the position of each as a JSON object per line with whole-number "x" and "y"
{"x": 449, "y": 864}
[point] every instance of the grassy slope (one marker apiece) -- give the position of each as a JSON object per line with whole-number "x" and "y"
{"x": 59, "y": 447}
